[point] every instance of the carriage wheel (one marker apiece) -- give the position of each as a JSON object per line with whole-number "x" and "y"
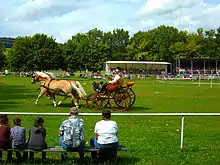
{"x": 111, "y": 102}
{"x": 105, "y": 103}
{"x": 123, "y": 100}
{"x": 94, "y": 101}
{"x": 120, "y": 100}
{"x": 132, "y": 95}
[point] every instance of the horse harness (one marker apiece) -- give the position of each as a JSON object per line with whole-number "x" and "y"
{"x": 49, "y": 89}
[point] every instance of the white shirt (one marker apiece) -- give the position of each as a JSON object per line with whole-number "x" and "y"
{"x": 116, "y": 78}
{"x": 107, "y": 131}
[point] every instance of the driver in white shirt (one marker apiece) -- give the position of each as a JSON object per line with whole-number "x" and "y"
{"x": 114, "y": 81}
{"x": 116, "y": 78}
{"x": 106, "y": 133}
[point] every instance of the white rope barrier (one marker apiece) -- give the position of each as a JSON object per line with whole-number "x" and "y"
{"x": 113, "y": 114}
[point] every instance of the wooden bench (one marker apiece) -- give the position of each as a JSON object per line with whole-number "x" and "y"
{"x": 60, "y": 149}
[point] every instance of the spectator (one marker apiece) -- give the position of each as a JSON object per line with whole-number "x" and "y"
{"x": 37, "y": 137}
{"x": 5, "y": 140}
{"x": 18, "y": 136}
{"x": 6, "y": 72}
{"x": 71, "y": 134}
{"x": 105, "y": 133}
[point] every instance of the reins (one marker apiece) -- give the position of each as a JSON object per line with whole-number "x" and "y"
{"x": 47, "y": 87}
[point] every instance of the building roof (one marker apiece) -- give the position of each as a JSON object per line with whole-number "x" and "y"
{"x": 138, "y": 62}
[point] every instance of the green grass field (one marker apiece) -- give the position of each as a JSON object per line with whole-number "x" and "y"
{"x": 150, "y": 140}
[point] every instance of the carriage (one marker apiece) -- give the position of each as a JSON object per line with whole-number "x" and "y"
{"x": 117, "y": 96}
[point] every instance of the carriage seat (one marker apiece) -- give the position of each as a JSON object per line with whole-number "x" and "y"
{"x": 121, "y": 81}
{"x": 112, "y": 87}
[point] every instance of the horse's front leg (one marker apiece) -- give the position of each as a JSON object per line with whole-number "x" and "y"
{"x": 49, "y": 94}
{"x": 75, "y": 100}
{"x": 54, "y": 100}
{"x": 42, "y": 92}
{"x": 65, "y": 97}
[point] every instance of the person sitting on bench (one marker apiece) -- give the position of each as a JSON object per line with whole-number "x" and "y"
{"x": 106, "y": 135}
{"x": 5, "y": 141}
{"x": 71, "y": 134}
{"x": 37, "y": 138}
{"x": 18, "y": 136}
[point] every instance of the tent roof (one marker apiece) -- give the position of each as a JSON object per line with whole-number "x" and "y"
{"x": 138, "y": 62}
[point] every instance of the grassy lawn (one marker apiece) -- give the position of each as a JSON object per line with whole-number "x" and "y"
{"x": 150, "y": 140}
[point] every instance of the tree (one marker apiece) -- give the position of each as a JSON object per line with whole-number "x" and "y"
{"x": 217, "y": 41}
{"x": 2, "y": 57}
{"x": 74, "y": 50}
{"x": 38, "y": 52}
{"x": 92, "y": 49}
{"x": 190, "y": 47}
{"x": 209, "y": 45}
{"x": 86, "y": 51}
{"x": 154, "y": 44}
{"x": 117, "y": 40}
{"x": 193, "y": 46}
{"x": 178, "y": 49}
{"x": 140, "y": 47}
{"x": 19, "y": 54}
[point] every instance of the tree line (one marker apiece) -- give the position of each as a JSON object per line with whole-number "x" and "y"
{"x": 92, "y": 49}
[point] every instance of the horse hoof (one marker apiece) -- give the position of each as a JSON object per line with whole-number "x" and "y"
{"x": 59, "y": 103}
{"x": 35, "y": 102}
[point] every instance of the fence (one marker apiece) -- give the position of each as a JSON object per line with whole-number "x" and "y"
{"x": 124, "y": 114}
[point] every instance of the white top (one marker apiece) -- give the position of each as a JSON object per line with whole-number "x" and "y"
{"x": 116, "y": 78}
{"x": 137, "y": 62}
{"x": 107, "y": 131}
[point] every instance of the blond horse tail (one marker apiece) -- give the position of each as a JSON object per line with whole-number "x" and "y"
{"x": 75, "y": 88}
{"x": 81, "y": 88}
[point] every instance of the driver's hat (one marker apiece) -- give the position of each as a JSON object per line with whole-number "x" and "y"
{"x": 117, "y": 70}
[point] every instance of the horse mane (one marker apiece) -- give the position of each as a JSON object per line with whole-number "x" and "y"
{"x": 44, "y": 75}
{"x": 50, "y": 76}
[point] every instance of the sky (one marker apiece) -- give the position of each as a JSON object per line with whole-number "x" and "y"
{"x": 64, "y": 18}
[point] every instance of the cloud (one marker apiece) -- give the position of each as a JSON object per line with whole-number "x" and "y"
{"x": 62, "y": 19}
{"x": 35, "y": 10}
{"x": 187, "y": 14}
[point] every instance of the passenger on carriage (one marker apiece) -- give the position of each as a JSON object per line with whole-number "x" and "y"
{"x": 114, "y": 81}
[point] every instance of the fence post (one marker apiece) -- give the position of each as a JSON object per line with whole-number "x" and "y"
{"x": 182, "y": 133}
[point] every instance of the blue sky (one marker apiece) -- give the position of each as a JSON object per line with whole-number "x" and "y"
{"x": 62, "y": 19}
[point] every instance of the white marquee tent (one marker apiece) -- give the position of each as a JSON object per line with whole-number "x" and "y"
{"x": 141, "y": 65}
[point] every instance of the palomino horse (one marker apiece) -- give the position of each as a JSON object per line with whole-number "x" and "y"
{"x": 80, "y": 90}
{"x": 52, "y": 87}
